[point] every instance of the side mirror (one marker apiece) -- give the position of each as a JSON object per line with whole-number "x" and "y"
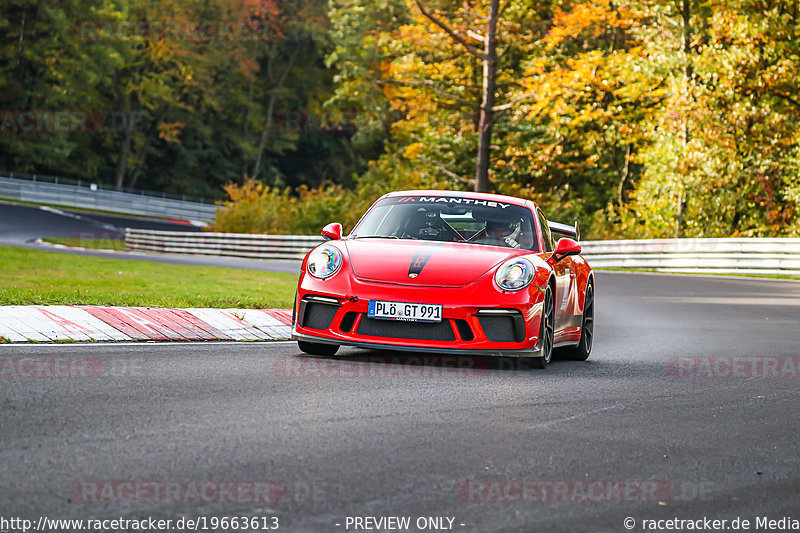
{"x": 332, "y": 232}
{"x": 565, "y": 248}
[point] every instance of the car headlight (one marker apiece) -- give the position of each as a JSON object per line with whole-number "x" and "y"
{"x": 514, "y": 275}
{"x": 324, "y": 262}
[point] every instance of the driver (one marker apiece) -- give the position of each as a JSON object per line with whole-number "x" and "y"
{"x": 427, "y": 225}
{"x": 502, "y": 233}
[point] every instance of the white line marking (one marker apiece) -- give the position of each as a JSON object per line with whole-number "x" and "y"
{"x": 59, "y": 212}
{"x": 556, "y": 421}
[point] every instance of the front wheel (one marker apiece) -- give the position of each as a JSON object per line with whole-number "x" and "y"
{"x": 317, "y": 348}
{"x": 547, "y": 330}
{"x": 584, "y": 348}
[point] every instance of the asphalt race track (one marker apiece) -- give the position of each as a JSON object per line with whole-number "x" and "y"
{"x": 674, "y": 405}
{"x": 22, "y": 225}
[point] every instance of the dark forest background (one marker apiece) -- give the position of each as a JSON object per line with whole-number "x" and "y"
{"x": 641, "y": 119}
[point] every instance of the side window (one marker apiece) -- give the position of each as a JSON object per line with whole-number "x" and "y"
{"x": 547, "y": 238}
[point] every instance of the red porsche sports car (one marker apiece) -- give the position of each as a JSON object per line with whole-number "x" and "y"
{"x": 448, "y": 272}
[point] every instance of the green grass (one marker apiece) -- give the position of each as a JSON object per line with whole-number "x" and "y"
{"x": 34, "y": 277}
{"x": 769, "y": 276}
{"x": 95, "y": 244}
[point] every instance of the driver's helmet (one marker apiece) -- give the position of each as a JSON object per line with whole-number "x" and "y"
{"x": 499, "y": 229}
{"x": 502, "y": 232}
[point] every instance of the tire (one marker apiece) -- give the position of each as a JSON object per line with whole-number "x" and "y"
{"x": 547, "y": 331}
{"x": 317, "y": 348}
{"x": 584, "y": 348}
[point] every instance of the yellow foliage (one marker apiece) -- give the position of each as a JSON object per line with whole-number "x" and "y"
{"x": 255, "y": 208}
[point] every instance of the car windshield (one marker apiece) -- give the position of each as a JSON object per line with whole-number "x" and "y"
{"x": 450, "y": 219}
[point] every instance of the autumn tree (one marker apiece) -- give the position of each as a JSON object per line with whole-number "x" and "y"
{"x": 488, "y": 59}
{"x": 444, "y": 69}
{"x": 585, "y": 90}
{"x": 722, "y": 156}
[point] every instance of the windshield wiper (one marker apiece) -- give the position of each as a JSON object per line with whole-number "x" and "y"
{"x": 376, "y": 237}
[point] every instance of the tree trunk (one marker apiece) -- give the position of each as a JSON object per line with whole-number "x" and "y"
{"x": 486, "y": 123}
{"x": 246, "y": 126}
{"x": 151, "y": 136}
{"x": 624, "y": 174}
{"x": 688, "y": 68}
{"x": 122, "y": 161}
{"x": 688, "y": 72}
{"x": 262, "y": 141}
{"x": 129, "y": 127}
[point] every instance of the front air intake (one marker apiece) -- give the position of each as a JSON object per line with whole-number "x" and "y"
{"x": 502, "y": 325}
{"x": 464, "y": 330}
{"x": 317, "y": 312}
{"x": 348, "y": 321}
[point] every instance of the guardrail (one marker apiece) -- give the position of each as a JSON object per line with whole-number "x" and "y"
{"x": 224, "y": 244}
{"x": 92, "y": 197}
{"x": 724, "y": 256}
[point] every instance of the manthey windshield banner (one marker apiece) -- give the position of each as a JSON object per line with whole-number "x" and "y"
{"x": 446, "y": 200}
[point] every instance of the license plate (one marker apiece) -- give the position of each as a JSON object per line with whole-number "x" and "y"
{"x": 407, "y": 312}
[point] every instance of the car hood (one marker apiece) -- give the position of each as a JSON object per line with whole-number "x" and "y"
{"x": 423, "y": 262}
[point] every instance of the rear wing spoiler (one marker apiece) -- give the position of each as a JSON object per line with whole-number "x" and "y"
{"x": 565, "y": 229}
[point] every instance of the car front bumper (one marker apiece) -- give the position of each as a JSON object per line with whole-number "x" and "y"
{"x": 477, "y": 319}
{"x": 526, "y": 352}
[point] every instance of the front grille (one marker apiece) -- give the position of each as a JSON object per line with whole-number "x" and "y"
{"x": 395, "y": 329}
{"x": 498, "y": 328}
{"x": 318, "y": 316}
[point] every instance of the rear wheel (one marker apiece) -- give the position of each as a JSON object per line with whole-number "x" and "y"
{"x": 317, "y": 348}
{"x": 547, "y": 331}
{"x": 584, "y": 348}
